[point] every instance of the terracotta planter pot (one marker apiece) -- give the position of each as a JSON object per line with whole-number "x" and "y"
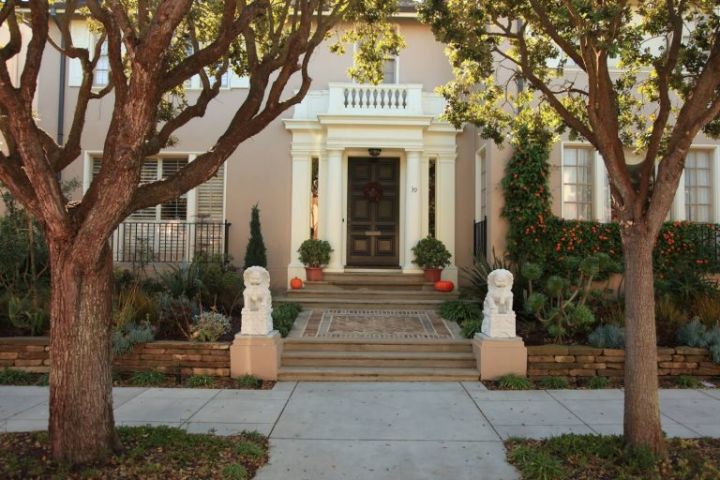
{"x": 444, "y": 286}
{"x": 432, "y": 274}
{"x": 314, "y": 274}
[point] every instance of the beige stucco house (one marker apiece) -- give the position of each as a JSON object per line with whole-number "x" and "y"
{"x": 309, "y": 167}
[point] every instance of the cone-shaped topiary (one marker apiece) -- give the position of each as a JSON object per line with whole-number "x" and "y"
{"x": 255, "y": 254}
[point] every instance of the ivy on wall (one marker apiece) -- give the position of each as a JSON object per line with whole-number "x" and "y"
{"x": 536, "y": 235}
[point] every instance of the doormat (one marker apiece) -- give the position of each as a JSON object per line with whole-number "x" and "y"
{"x": 377, "y": 324}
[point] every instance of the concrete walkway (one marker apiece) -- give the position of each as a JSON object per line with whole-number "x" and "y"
{"x": 382, "y": 430}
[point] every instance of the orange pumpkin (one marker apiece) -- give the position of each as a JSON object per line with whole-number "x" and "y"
{"x": 296, "y": 283}
{"x": 444, "y": 286}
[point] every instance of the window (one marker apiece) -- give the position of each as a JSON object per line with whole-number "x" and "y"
{"x": 577, "y": 183}
{"x": 390, "y": 74}
{"x": 698, "y": 186}
{"x": 102, "y": 69}
{"x": 209, "y": 197}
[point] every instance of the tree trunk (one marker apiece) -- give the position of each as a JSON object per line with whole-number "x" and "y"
{"x": 82, "y": 428}
{"x": 642, "y": 411}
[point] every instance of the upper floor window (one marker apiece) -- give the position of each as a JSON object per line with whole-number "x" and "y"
{"x": 577, "y": 183}
{"x": 698, "y": 186}
{"x": 102, "y": 68}
{"x": 390, "y": 70}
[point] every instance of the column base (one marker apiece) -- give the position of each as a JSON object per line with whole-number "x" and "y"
{"x": 257, "y": 355}
{"x": 499, "y": 356}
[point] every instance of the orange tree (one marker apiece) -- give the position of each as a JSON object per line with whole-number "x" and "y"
{"x": 153, "y": 47}
{"x": 665, "y": 91}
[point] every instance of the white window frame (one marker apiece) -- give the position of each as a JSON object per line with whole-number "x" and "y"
{"x": 396, "y": 59}
{"x": 600, "y": 189}
{"x": 677, "y": 211}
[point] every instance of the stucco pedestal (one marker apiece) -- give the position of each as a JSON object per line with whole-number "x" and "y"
{"x": 257, "y": 355}
{"x": 499, "y": 356}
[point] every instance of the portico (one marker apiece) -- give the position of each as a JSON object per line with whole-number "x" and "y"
{"x": 379, "y": 154}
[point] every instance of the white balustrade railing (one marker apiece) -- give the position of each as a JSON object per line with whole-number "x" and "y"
{"x": 385, "y": 99}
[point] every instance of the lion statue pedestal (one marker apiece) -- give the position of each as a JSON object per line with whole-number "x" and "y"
{"x": 257, "y": 309}
{"x": 498, "y": 314}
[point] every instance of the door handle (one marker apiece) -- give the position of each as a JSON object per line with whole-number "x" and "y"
{"x": 373, "y": 233}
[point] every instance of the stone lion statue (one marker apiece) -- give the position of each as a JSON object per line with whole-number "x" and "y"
{"x": 499, "y": 298}
{"x": 257, "y": 289}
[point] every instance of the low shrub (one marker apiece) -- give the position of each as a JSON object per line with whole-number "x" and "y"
{"x": 459, "y": 311}
{"x": 250, "y": 382}
{"x": 174, "y": 315}
{"x": 668, "y": 319}
{"x": 596, "y": 383}
{"x": 687, "y": 381}
{"x": 695, "y": 334}
{"x": 126, "y": 337}
{"x": 26, "y": 317}
{"x": 147, "y": 379}
{"x": 514, "y": 382}
{"x": 471, "y": 327}
{"x": 284, "y": 316}
{"x": 11, "y": 376}
{"x": 209, "y": 326}
{"x": 607, "y": 336}
{"x": 200, "y": 381}
{"x": 553, "y": 383}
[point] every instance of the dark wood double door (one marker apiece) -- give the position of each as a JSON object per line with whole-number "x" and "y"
{"x": 373, "y": 212}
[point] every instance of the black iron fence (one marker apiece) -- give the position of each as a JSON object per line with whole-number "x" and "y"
{"x": 480, "y": 238}
{"x": 168, "y": 242}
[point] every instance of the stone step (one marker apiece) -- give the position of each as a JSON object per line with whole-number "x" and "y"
{"x": 379, "y": 359}
{"x": 377, "y": 374}
{"x": 342, "y": 301}
{"x": 365, "y": 345}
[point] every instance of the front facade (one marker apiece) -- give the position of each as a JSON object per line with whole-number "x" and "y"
{"x": 370, "y": 169}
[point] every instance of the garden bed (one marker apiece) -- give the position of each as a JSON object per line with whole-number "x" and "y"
{"x": 148, "y": 452}
{"x": 594, "y": 457}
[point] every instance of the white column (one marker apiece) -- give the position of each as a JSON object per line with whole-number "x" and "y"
{"x": 335, "y": 218}
{"x": 413, "y": 208}
{"x": 300, "y": 207}
{"x": 716, "y": 184}
{"x": 445, "y": 210}
{"x": 322, "y": 196}
{"x": 600, "y": 191}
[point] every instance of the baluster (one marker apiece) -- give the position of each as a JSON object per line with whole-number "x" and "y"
{"x": 404, "y": 98}
{"x": 346, "y": 95}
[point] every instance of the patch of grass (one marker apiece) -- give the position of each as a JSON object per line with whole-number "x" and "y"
{"x": 514, "y": 382}
{"x": 553, "y": 383}
{"x": 686, "y": 381}
{"x": 147, "y": 379}
{"x": 200, "y": 381}
{"x": 11, "y": 376}
{"x": 596, "y": 383}
{"x": 594, "y": 457}
{"x": 250, "y": 382}
{"x": 148, "y": 452}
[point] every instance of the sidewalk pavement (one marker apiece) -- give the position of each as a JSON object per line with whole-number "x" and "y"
{"x": 381, "y": 430}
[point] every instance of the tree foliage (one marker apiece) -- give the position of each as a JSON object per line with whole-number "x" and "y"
{"x": 255, "y": 254}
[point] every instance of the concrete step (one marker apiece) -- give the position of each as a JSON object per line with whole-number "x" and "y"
{"x": 378, "y": 374}
{"x": 374, "y": 277}
{"x": 379, "y": 359}
{"x": 362, "y": 293}
{"x": 340, "y": 301}
{"x": 365, "y": 345}
{"x": 343, "y": 286}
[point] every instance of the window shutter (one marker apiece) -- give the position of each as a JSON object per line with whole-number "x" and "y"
{"x": 211, "y": 198}
{"x": 81, "y": 37}
{"x": 149, "y": 173}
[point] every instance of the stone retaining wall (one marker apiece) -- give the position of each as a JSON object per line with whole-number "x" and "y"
{"x": 579, "y": 361}
{"x": 32, "y": 354}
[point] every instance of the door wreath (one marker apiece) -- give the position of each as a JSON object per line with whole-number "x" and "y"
{"x": 373, "y": 191}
